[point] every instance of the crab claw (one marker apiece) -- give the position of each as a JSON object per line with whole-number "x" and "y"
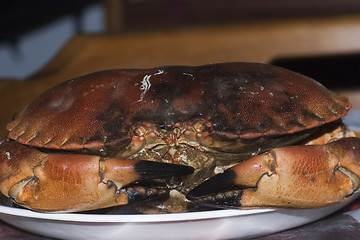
{"x": 292, "y": 177}
{"x": 139, "y": 171}
{"x": 74, "y": 182}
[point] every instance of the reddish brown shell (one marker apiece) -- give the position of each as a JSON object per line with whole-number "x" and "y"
{"x": 241, "y": 100}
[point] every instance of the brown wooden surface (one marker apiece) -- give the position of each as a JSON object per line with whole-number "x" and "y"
{"x": 256, "y": 42}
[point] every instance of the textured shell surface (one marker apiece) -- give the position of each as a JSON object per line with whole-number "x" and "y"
{"x": 240, "y": 100}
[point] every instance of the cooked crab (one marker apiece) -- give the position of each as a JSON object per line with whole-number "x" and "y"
{"x": 115, "y": 137}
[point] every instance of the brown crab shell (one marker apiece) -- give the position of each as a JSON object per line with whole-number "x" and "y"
{"x": 240, "y": 100}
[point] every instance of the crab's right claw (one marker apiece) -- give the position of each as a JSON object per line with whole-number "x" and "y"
{"x": 76, "y": 182}
{"x": 141, "y": 172}
{"x": 290, "y": 177}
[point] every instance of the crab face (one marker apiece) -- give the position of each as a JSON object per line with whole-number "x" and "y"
{"x": 111, "y": 137}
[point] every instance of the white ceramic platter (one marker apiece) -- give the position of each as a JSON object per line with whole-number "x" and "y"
{"x": 218, "y": 224}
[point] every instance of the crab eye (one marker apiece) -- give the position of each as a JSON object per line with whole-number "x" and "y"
{"x": 139, "y": 131}
{"x": 201, "y": 126}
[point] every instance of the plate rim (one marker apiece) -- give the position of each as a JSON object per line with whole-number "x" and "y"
{"x": 152, "y": 218}
{"x": 133, "y": 218}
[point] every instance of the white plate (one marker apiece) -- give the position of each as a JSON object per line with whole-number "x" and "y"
{"x": 219, "y": 224}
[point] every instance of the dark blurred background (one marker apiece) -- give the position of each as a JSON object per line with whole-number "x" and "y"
{"x": 33, "y": 31}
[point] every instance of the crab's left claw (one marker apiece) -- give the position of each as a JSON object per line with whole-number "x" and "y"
{"x": 295, "y": 176}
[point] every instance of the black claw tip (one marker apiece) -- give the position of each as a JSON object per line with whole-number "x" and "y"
{"x": 228, "y": 199}
{"x": 141, "y": 193}
{"x": 219, "y": 183}
{"x": 150, "y": 170}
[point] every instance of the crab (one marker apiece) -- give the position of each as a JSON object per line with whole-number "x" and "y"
{"x": 238, "y": 135}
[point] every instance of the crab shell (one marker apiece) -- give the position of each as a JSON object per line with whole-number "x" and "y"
{"x": 229, "y": 109}
{"x": 242, "y": 101}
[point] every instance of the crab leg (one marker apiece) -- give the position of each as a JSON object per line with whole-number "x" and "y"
{"x": 75, "y": 182}
{"x": 295, "y": 177}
